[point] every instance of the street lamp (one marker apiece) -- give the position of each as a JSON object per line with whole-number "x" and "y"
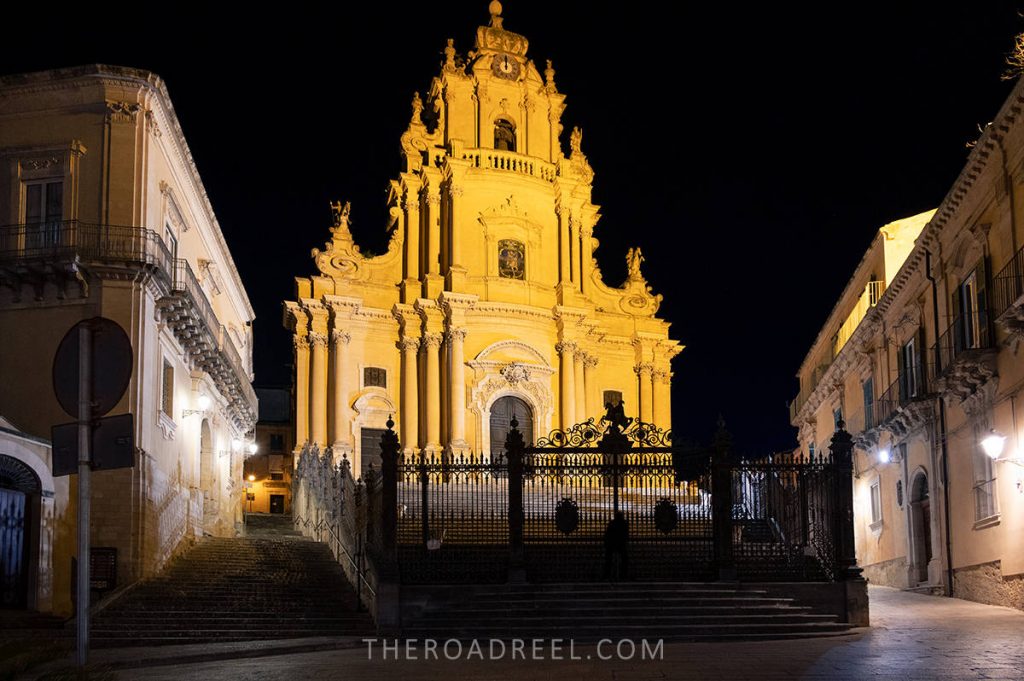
{"x": 993, "y": 444}
{"x": 252, "y": 448}
{"x": 884, "y": 456}
{"x": 203, "y": 402}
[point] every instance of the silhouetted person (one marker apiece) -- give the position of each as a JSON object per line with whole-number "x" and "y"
{"x": 616, "y": 540}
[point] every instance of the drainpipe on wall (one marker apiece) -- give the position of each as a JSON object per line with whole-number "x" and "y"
{"x": 942, "y": 428}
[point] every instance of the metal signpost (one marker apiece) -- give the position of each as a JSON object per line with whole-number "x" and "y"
{"x": 91, "y": 371}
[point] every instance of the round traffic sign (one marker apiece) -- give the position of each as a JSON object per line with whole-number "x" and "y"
{"x": 111, "y": 365}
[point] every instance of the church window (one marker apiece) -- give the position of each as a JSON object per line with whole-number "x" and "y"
{"x": 612, "y": 397}
{"x": 375, "y": 377}
{"x": 504, "y": 135}
{"x": 876, "y": 502}
{"x": 511, "y": 259}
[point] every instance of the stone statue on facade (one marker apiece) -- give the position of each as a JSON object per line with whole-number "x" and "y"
{"x": 634, "y": 258}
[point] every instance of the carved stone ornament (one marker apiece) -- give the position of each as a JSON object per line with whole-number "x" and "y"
{"x": 515, "y": 373}
{"x": 317, "y": 340}
{"x": 431, "y": 341}
{"x": 340, "y": 258}
{"x": 123, "y": 112}
{"x": 40, "y": 163}
{"x": 340, "y": 337}
{"x": 495, "y": 37}
{"x": 300, "y": 343}
{"x": 567, "y": 515}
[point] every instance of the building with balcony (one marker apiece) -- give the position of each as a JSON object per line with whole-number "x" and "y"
{"x": 268, "y": 471}
{"x": 488, "y": 302}
{"x": 105, "y": 214}
{"x": 920, "y": 358}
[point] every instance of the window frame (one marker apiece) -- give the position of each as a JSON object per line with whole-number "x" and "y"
{"x": 383, "y": 372}
{"x": 167, "y": 388}
{"x": 875, "y": 500}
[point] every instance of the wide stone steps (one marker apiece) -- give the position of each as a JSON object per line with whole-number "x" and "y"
{"x": 587, "y": 612}
{"x": 238, "y": 589}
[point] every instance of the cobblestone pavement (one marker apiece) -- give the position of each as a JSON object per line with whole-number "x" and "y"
{"x": 914, "y": 637}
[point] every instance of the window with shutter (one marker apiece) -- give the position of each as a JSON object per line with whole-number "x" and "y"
{"x": 375, "y": 377}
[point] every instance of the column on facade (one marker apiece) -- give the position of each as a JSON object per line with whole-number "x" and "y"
{"x": 574, "y": 251}
{"x": 581, "y": 390}
{"x": 563, "y": 244}
{"x": 433, "y": 232}
{"x": 430, "y": 347}
{"x": 318, "y": 388}
{"x": 301, "y": 344}
{"x": 662, "y": 398}
{"x": 567, "y": 375}
{"x": 457, "y": 398}
{"x": 586, "y": 260}
{"x": 409, "y": 419}
{"x": 412, "y": 234}
{"x": 646, "y": 391}
{"x": 341, "y": 437}
{"x": 593, "y": 399}
{"x": 454, "y": 196}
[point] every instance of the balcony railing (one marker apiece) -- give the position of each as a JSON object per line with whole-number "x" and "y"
{"x": 43, "y": 244}
{"x": 967, "y": 333}
{"x": 1008, "y": 285}
{"x": 868, "y": 299}
{"x": 73, "y": 239}
{"x": 512, "y": 162}
{"x": 910, "y": 386}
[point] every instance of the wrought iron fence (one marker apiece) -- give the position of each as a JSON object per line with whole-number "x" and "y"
{"x": 965, "y": 333}
{"x": 1008, "y": 285}
{"x": 69, "y": 239}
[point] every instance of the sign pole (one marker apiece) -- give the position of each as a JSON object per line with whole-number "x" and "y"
{"x": 84, "y": 493}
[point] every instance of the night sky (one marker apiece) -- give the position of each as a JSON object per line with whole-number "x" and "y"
{"x": 795, "y": 137}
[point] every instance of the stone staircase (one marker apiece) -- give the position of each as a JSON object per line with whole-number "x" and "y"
{"x": 271, "y": 584}
{"x": 673, "y": 611}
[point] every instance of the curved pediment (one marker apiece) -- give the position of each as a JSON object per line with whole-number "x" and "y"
{"x": 510, "y": 352}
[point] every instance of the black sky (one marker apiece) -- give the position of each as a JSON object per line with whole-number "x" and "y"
{"x": 751, "y": 151}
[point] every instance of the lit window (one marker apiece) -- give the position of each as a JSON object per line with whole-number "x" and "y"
{"x": 375, "y": 377}
{"x": 167, "y": 392}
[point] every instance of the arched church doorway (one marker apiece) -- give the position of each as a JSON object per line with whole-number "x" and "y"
{"x": 502, "y": 411}
{"x": 921, "y": 521}
{"x": 206, "y": 477}
{"x": 20, "y": 493}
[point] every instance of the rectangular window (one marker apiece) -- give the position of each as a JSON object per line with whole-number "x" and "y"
{"x": 837, "y": 416}
{"x": 869, "y": 403}
{"x": 171, "y": 241}
{"x": 277, "y": 476}
{"x": 167, "y": 393}
{"x": 970, "y": 312}
{"x": 612, "y": 398}
{"x": 276, "y": 442}
{"x": 984, "y": 480}
{"x": 376, "y": 377}
{"x": 44, "y": 210}
{"x": 910, "y": 370}
{"x": 876, "y": 502}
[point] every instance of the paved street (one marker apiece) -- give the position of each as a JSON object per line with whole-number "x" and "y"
{"x": 914, "y": 637}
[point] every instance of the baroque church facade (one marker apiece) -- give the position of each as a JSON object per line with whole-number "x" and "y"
{"x": 488, "y": 302}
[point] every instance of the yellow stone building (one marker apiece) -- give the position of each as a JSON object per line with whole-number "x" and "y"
{"x": 104, "y": 214}
{"x": 488, "y": 302}
{"x": 920, "y": 357}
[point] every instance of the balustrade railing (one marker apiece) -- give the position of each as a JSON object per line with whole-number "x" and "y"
{"x": 511, "y": 161}
{"x": 965, "y": 333}
{"x": 1008, "y": 285}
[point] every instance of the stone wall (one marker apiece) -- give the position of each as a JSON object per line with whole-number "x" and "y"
{"x": 986, "y": 583}
{"x": 887, "y": 572}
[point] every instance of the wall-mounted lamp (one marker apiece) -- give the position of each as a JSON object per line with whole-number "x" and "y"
{"x": 993, "y": 444}
{"x": 236, "y": 444}
{"x": 204, "y": 405}
{"x": 884, "y": 456}
{"x": 252, "y": 478}
{"x": 253, "y": 448}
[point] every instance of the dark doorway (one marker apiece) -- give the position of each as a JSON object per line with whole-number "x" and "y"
{"x": 19, "y": 501}
{"x": 502, "y": 412}
{"x": 277, "y": 503}
{"x": 921, "y": 521}
{"x": 369, "y": 449}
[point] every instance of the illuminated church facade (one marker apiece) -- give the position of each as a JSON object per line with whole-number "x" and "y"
{"x": 488, "y": 302}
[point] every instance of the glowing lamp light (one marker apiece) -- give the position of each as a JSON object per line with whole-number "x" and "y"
{"x": 252, "y": 478}
{"x": 236, "y": 444}
{"x": 993, "y": 444}
{"x": 884, "y": 456}
{"x": 203, "y": 402}
{"x": 252, "y": 448}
